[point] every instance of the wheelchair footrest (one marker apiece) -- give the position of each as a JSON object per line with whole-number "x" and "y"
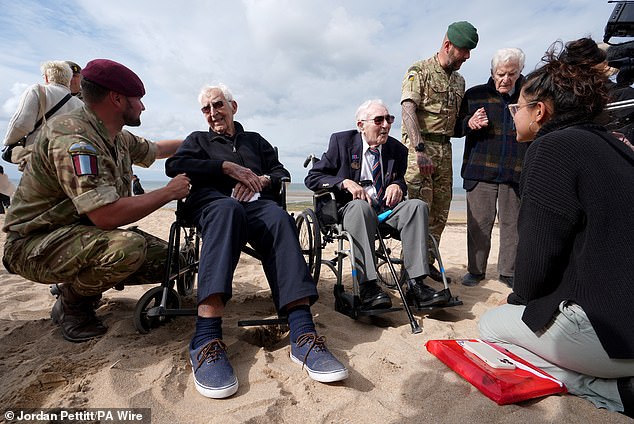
{"x": 346, "y": 304}
{"x": 453, "y": 301}
{"x": 268, "y": 321}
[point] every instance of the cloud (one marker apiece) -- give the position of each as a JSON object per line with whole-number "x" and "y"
{"x": 298, "y": 69}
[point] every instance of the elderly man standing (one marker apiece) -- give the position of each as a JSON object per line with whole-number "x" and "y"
{"x": 235, "y": 175}
{"x": 369, "y": 153}
{"x": 62, "y": 226}
{"x": 432, "y": 91}
{"x": 39, "y": 103}
{"x": 491, "y": 165}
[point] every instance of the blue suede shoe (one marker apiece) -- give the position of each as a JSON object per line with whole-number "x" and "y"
{"x": 213, "y": 374}
{"x": 310, "y": 352}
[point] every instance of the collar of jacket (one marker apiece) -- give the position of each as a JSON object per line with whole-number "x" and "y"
{"x": 221, "y": 137}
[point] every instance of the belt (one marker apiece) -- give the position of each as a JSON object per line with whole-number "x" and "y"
{"x": 438, "y": 138}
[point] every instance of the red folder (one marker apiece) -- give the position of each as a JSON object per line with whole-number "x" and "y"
{"x": 503, "y": 386}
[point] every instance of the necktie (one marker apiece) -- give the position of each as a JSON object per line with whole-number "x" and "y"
{"x": 377, "y": 178}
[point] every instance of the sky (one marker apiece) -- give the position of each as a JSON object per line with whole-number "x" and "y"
{"x": 298, "y": 69}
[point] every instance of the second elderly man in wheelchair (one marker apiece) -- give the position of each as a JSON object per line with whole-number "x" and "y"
{"x": 364, "y": 169}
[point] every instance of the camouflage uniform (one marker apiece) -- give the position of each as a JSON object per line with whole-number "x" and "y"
{"x": 75, "y": 169}
{"x": 437, "y": 96}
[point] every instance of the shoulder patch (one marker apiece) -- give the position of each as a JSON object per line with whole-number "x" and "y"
{"x": 414, "y": 68}
{"x": 84, "y": 156}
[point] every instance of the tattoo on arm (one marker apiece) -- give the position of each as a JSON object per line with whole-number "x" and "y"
{"x": 411, "y": 122}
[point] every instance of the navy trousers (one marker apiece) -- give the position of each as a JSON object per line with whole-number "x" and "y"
{"x": 226, "y": 225}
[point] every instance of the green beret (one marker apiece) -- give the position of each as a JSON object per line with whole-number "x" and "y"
{"x": 463, "y": 35}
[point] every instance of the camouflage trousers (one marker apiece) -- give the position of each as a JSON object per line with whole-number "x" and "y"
{"x": 434, "y": 189}
{"x": 91, "y": 259}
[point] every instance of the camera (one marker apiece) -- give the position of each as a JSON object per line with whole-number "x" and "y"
{"x": 620, "y": 22}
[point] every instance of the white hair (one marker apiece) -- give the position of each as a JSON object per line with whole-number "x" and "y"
{"x": 206, "y": 91}
{"x": 362, "y": 111}
{"x": 508, "y": 54}
{"x": 57, "y": 71}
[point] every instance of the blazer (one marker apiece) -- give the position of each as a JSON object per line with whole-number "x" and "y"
{"x": 343, "y": 160}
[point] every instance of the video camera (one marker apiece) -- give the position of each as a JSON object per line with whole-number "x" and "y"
{"x": 621, "y": 21}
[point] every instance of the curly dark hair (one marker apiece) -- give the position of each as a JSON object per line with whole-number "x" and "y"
{"x": 572, "y": 78}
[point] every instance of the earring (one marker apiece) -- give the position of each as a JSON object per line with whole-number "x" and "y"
{"x": 530, "y": 129}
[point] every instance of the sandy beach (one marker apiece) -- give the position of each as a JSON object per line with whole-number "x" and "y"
{"x": 392, "y": 376}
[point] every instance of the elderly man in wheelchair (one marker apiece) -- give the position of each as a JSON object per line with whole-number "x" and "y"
{"x": 234, "y": 174}
{"x": 364, "y": 169}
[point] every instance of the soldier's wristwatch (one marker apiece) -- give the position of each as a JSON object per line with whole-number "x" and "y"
{"x": 420, "y": 147}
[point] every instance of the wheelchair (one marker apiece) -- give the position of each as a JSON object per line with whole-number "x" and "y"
{"x": 161, "y": 304}
{"x": 321, "y": 225}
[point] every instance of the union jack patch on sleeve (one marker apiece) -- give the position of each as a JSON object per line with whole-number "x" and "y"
{"x": 84, "y": 158}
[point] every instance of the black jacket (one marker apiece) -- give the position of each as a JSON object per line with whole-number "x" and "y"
{"x": 576, "y": 232}
{"x": 201, "y": 156}
{"x": 343, "y": 159}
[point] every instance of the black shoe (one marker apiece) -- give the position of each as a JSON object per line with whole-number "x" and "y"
{"x": 421, "y": 295}
{"x": 435, "y": 275}
{"x": 75, "y": 315}
{"x": 506, "y": 279}
{"x": 372, "y": 297}
{"x": 472, "y": 280}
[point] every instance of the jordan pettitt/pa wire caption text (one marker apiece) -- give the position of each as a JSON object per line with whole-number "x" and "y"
{"x": 76, "y": 415}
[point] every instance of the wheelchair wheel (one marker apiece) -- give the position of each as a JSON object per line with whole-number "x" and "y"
{"x": 152, "y": 299}
{"x": 185, "y": 283}
{"x": 384, "y": 274}
{"x": 310, "y": 241}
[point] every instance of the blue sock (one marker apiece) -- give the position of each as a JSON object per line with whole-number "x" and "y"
{"x": 300, "y": 321}
{"x": 207, "y": 329}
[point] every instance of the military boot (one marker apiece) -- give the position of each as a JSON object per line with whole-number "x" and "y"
{"x": 75, "y": 314}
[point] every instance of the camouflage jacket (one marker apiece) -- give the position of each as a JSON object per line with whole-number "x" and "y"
{"x": 437, "y": 96}
{"x": 74, "y": 169}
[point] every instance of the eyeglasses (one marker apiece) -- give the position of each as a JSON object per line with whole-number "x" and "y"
{"x": 216, "y": 105}
{"x": 515, "y": 107}
{"x": 378, "y": 120}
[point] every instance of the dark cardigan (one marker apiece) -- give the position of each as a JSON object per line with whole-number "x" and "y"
{"x": 576, "y": 232}
{"x": 491, "y": 154}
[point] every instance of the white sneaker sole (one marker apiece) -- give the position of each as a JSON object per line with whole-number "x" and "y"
{"x": 322, "y": 377}
{"x": 216, "y": 393}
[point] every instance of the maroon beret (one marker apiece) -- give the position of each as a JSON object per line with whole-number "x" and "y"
{"x": 114, "y": 76}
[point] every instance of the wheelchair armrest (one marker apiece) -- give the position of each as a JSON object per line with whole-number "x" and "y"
{"x": 326, "y": 209}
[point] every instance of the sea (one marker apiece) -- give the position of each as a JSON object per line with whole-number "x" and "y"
{"x": 299, "y": 196}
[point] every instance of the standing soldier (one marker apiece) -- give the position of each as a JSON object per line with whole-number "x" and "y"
{"x": 432, "y": 91}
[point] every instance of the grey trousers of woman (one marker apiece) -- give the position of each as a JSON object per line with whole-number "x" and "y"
{"x": 568, "y": 349}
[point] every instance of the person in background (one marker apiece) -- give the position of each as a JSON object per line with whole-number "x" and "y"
{"x": 431, "y": 94}
{"x": 75, "y": 81}
{"x": 353, "y": 156}
{"x": 491, "y": 165}
{"x": 36, "y": 101}
{"x": 63, "y": 224}
{"x": 6, "y": 191}
{"x": 574, "y": 269}
{"x": 236, "y": 177}
{"x": 137, "y": 188}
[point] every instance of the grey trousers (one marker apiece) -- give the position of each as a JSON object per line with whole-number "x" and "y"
{"x": 483, "y": 203}
{"x": 409, "y": 218}
{"x": 568, "y": 349}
